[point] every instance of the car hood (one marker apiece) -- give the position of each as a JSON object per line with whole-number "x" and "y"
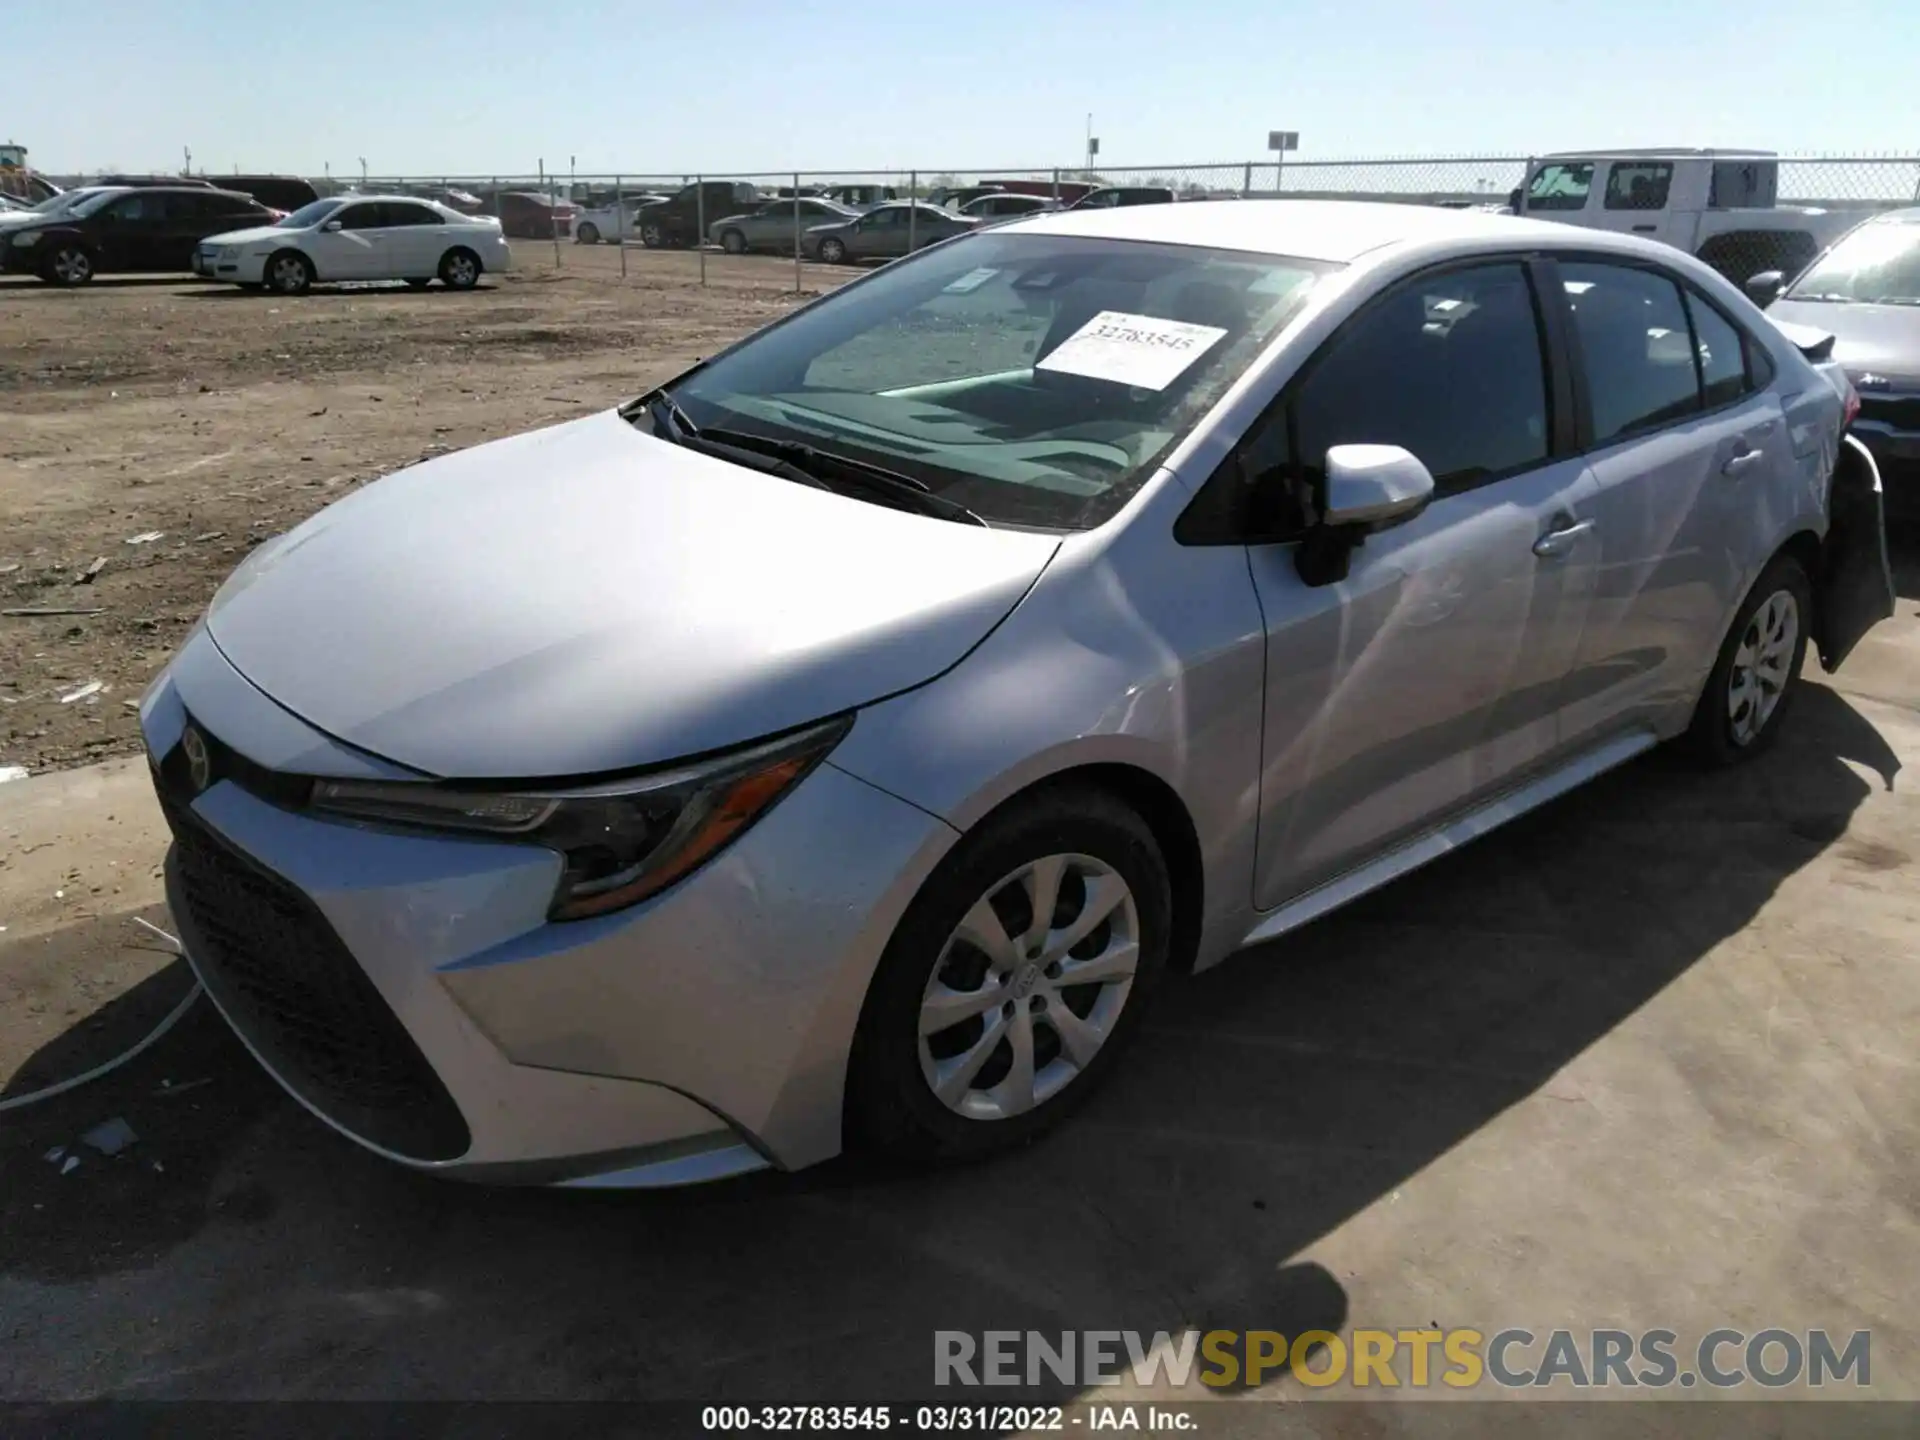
{"x": 587, "y": 598}
{"x": 252, "y": 235}
{"x": 1882, "y": 339}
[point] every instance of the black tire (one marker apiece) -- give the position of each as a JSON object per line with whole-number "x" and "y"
{"x": 587, "y": 234}
{"x": 68, "y": 265}
{"x": 417, "y": 283}
{"x": 653, "y": 235}
{"x": 833, "y": 251}
{"x": 288, "y": 272}
{"x": 733, "y": 242}
{"x": 1717, "y": 737}
{"x": 460, "y": 269}
{"x": 891, "y": 1108}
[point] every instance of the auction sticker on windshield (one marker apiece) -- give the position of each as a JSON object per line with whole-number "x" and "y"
{"x": 1139, "y": 350}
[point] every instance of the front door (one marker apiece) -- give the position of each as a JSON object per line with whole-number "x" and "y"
{"x": 351, "y": 245}
{"x": 127, "y": 232}
{"x": 1433, "y": 675}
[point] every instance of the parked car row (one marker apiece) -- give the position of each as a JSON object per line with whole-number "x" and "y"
{"x": 226, "y": 235}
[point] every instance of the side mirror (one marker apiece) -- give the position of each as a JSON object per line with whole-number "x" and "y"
{"x": 331, "y": 227}
{"x": 1369, "y": 488}
{"x": 1375, "y": 487}
{"x": 1763, "y": 289}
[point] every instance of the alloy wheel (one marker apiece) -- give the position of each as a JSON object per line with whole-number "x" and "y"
{"x": 461, "y": 271}
{"x": 1762, "y": 665}
{"x": 72, "y": 267}
{"x": 1028, "y": 987}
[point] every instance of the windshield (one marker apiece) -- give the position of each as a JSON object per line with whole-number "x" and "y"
{"x": 307, "y": 215}
{"x": 1035, "y": 379}
{"x": 1877, "y": 263}
{"x": 87, "y": 204}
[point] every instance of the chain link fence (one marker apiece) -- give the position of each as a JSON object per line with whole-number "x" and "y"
{"x": 791, "y": 230}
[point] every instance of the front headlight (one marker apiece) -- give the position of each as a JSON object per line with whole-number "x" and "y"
{"x": 622, "y": 841}
{"x": 229, "y": 252}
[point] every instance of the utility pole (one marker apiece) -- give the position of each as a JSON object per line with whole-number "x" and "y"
{"x": 363, "y": 171}
{"x": 186, "y": 156}
{"x": 1092, "y": 147}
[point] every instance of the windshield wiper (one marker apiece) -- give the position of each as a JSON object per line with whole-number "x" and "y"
{"x": 1897, "y": 300}
{"x": 1827, "y": 298}
{"x": 673, "y": 425}
{"x": 912, "y": 493}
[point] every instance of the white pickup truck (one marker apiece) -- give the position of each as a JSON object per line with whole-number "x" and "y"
{"x": 1716, "y": 204}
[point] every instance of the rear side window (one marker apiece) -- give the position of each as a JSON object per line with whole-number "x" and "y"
{"x": 1723, "y": 363}
{"x": 1639, "y": 186}
{"x": 398, "y": 214}
{"x": 1635, "y": 345}
{"x": 1450, "y": 368}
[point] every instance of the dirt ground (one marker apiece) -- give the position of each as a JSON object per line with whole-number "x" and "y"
{"x": 219, "y": 418}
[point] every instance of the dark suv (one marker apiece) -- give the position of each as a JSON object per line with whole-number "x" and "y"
{"x": 149, "y": 228}
{"x": 676, "y": 220}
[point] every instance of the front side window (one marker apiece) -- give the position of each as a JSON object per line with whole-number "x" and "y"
{"x": 1035, "y": 379}
{"x": 1448, "y": 368}
{"x": 308, "y": 215}
{"x": 362, "y": 217}
{"x": 1561, "y": 187}
{"x": 1877, "y": 263}
{"x": 1635, "y": 346}
{"x": 1639, "y": 186}
{"x": 135, "y": 207}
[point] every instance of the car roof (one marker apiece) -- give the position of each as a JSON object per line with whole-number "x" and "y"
{"x": 382, "y": 195}
{"x": 1333, "y": 230}
{"x": 1658, "y": 152}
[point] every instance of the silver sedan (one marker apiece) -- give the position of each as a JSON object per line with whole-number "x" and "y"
{"x": 777, "y": 224}
{"x": 842, "y": 744}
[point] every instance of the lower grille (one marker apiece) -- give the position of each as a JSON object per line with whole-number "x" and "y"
{"x": 273, "y": 962}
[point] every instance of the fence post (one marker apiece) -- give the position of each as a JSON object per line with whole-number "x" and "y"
{"x": 1246, "y": 181}
{"x": 700, "y": 224}
{"x": 913, "y": 207}
{"x": 1056, "y": 184}
{"x": 620, "y": 221}
{"x": 796, "y": 232}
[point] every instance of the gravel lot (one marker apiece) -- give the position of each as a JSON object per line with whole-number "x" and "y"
{"x": 219, "y": 418}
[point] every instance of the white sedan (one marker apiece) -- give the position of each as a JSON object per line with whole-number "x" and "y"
{"x": 359, "y": 237}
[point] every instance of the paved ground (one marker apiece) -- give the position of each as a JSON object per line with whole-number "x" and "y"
{"x": 1644, "y": 1059}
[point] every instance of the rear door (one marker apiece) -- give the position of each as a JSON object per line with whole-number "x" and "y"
{"x": 415, "y": 238}
{"x": 1634, "y": 198}
{"x": 1690, "y": 456}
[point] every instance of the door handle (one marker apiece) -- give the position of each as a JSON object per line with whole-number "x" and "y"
{"x": 1556, "y": 543}
{"x": 1646, "y": 229}
{"x": 1740, "y": 460}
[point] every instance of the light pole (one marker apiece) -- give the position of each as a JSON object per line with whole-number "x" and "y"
{"x": 1093, "y": 147}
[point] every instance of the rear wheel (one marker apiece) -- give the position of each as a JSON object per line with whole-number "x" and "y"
{"x": 290, "y": 273}
{"x": 1013, "y": 982}
{"x": 67, "y": 265}
{"x": 1757, "y": 673}
{"x": 460, "y": 269}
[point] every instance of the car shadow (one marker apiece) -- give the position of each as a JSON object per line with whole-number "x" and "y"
{"x": 1266, "y": 1103}
{"x": 13, "y": 286}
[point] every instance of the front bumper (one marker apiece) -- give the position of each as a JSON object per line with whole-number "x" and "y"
{"x": 409, "y": 990}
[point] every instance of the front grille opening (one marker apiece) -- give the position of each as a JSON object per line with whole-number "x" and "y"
{"x": 299, "y": 997}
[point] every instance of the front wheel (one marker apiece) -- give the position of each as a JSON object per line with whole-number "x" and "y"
{"x": 290, "y": 273}
{"x": 1013, "y": 982}
{"x": 653, "y": 236}
{"x": 460, "y": 270}
{"x": 834, "y": 252}
{"x": 1757, "y": 673}
{"x": 68, "y": 265}
{"x": 587, "y": 234}
{"x": 733, "y": 242}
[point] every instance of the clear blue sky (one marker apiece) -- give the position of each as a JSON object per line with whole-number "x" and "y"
{"x": 495, "y": 86}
